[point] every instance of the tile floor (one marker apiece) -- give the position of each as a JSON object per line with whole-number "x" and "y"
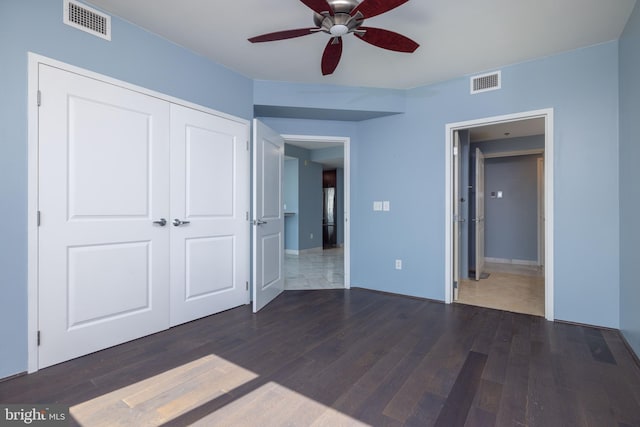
{"x": 315, "y": 270}
{"x": 509, "y": 287}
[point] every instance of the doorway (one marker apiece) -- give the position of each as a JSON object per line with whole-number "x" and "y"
{"x": 321, "y": 259}
{"x": 466, "y": 220}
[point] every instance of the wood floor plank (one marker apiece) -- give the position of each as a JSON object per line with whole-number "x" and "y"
{"x": 456, "y": 407}
{"x": 350, "y": 357}
{"x": 598, "y": 346}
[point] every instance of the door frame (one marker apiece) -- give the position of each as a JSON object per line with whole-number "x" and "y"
{"x": 540, "y": 184}
{"x": 547, "y": 114}
{"x": 34, "y": 61}
{"x": 346, "y": 144}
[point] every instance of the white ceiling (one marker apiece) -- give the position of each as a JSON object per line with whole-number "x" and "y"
{"x": 457, "y": 37}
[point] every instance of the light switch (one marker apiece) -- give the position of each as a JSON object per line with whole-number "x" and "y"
{"x": 385, "y": 206}
{"x": 377, "y": 206}
{"x": 499, "y": 194}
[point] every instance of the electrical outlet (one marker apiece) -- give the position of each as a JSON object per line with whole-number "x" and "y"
{"x": 398, "y": 264}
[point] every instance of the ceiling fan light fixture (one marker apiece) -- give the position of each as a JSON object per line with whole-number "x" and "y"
{"x": 339, "y": 30}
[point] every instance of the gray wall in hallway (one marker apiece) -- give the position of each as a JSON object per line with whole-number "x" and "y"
{"x": 511, "y": 227}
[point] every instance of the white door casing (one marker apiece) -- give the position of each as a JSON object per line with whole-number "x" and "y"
{"x": 268, "y": 215}
{"x": 209, "y": 214}
{"x": 540, "y": 189}
{"x": 103, "y": 157}
{"x": 456, "y": 215}
{"x": 549, "y": 267}
{"x": 479, "y": 219}
{"x": 345, "y": 142}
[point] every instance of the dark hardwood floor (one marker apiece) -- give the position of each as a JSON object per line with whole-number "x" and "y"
{"x": 336, "y": 357}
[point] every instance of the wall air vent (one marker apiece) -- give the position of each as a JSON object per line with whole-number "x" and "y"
{"x": 87, "y": 19}
{"x": 486, "y": 82}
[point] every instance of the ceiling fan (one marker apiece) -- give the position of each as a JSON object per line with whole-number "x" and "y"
{"x": 341, "y": 17}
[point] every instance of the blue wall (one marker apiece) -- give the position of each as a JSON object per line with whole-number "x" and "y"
{"x": 291, "y": 192}
{"x": 629, "y": 160}
{"x": 133, "y": 55}
{"x": 325, "y": 102}
{"x": 401, "y": 158}
{"x": 512, "y": 221}
{"x": 494, "y": 147}
{"x": 308, "y": 217}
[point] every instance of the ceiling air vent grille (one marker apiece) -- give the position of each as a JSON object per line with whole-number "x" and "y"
{"x": 87, "y": 19}
{"x": 486, "y": 82}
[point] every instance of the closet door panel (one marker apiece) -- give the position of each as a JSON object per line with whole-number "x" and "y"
{"x": 209, "y": 214}
{"x": 103, "y": 180}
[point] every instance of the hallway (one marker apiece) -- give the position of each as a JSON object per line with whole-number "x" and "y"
{"x": 515, "y": 288}
{"x": 315, "y": 270}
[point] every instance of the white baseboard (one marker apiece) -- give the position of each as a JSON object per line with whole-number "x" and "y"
{"x": 511, "y": 261}
{"x": 303, "y": 251}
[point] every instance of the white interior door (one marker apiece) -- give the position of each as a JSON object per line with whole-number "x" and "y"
{"x": 209, "y": 214}
{"x": 103, "y": 179}
{"x": 268, "y": 217}
{"x": 456, "y": 214}
{"x": 479, "y": 220}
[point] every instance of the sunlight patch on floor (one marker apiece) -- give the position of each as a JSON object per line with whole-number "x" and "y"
{"x": 275, "y": 405}
{"x": 165, "y": 396}
{"x": 244, "y": 400}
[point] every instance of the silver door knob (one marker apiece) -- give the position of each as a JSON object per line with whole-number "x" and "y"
{"x": 259, "y": 222}
{"x": 178, "y": 223}
{"x": 161, "y": 222}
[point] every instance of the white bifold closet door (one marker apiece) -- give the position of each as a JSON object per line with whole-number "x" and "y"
{"x": 112, "y": 265}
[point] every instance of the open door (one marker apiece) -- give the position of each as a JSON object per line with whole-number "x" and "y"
{"x": 479, "y": 219}
{"x": 456, "y": 214}
{"x": 268, "y": 215}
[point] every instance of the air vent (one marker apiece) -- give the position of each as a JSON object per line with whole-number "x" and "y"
{"x": 486, "y": 82}
{"x": 87, "y": 19}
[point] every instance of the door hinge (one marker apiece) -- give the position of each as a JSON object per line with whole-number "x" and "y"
{"x": 455, "y": 151}
{"x": 38, "y": 219}
{"x": 247, "y": 215}
{"x": 39, "y": 98}
{"x": 38, "y": 337}
{"x": 247, "y": 285}
{"x": 247, "y": 145}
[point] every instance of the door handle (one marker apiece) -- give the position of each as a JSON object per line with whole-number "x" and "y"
{"x": 161, "y": 222}
{"x": 178, "y": 223}
{"x": 259, "y": 222}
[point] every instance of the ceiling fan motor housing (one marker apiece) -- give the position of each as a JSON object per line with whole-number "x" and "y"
{"x": 341, "y": 22}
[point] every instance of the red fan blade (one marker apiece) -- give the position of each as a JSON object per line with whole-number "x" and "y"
{"x": 388, "y": 39}
{"x": 282, "y": 35}
{"x": 318, "y": 6}
{"x": 331, "y": 55}
{"x": 371, "y": 8}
